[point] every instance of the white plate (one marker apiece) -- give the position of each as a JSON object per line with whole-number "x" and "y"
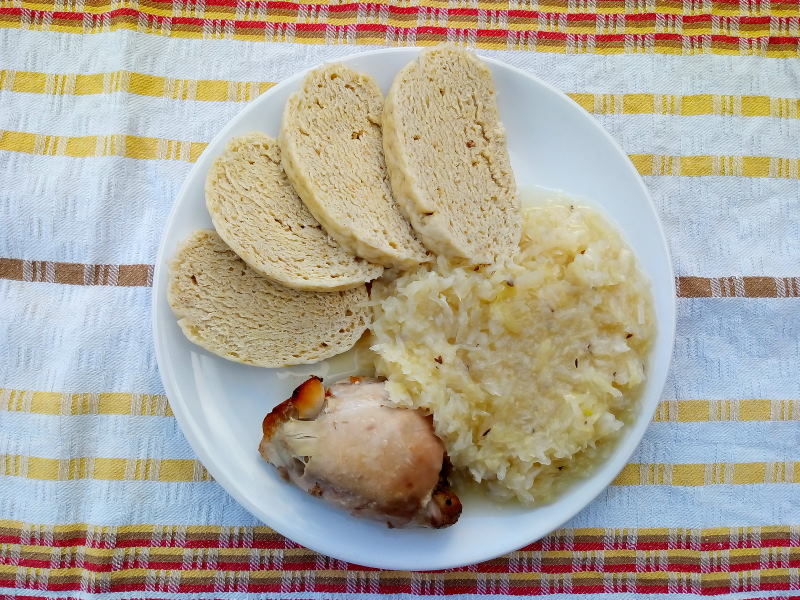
{"x": 219, "y": 404}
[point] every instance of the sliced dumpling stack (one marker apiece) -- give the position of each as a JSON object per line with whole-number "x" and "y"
{"x": 353, "y": 185}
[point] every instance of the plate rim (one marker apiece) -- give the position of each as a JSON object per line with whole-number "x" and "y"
{"x": 625, "y": 447}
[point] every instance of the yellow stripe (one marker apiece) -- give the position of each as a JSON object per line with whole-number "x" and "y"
{"x": 709, "y": 474}
{"x": 693, "y": 105}
{"x": 683, "y": 411}
{"x": 244, "y": 91}
{"x": 133, "y": 83}
{"x": 690, "y": 411}
{"x": 707, "y": 165}
{"x": 152, "y": 469}
{"x": 108, "y": 469}
{"x": 54, "y": 403}
{"x": 150, "y": 531}
{"x": 131, "y": 146}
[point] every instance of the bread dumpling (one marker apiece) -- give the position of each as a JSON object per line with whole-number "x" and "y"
{"x": 446, "y": 153}
{"x": 227, "y": 308}
{"x": 257, "y": 213}
{"x": 332, "y": 152}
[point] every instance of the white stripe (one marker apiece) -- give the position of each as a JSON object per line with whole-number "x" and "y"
{"x": 704, "y": 134}
{"x": 245, "y": 61}
{"x": 107, "y": 436}
{"x": 718, "y": 442}
{"x": 164, "y": 57}
{"x": 720, "y": 226}
{"x": 703, "y": 224}
{"x": 120, "y": 502}
{"x": 721, "y": 345}
{"x": 190, "y": 120}
{"x": 106, "y": 210}
{"x": 77, "y": 339}
{"x": 206, "y": 503}
{"x": 98, "y": 114}
{"x": 126, "y": 436}
{"x": 682, "y": 507}
{"x": 107, "y": 334}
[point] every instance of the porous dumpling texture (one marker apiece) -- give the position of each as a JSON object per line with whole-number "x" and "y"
{"x": 446, "y": 153}
{"x": 332, "y": 151}
{"x": 257, "y": 213}
{"x": 227, "y": 308}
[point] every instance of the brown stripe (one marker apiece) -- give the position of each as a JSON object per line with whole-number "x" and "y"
{"x": 69, "y": 273}
{"x": 765, "y": 535}
{"x": 258, "y": 535}
{"x": 760, "y": 287}
{"x": 132, "y": 275}
{"x": 142, "y": 276}
{"x": 693, "y": 287}
{"x": 768, "y": 579}
{"x": 11, "y": 268}
{"x": 75, "y": 273}
{"x": 46, "y": 553}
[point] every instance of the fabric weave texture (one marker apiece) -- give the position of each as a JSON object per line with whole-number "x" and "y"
{"x": 104, "y": 104}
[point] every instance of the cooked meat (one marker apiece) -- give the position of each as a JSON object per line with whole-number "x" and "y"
{"x": 349, "y": 447}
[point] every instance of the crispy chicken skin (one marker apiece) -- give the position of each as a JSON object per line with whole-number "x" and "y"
{"x": 349, "y": 447}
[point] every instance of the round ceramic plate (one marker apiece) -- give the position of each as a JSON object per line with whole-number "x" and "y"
{"x": 219, "y": 404}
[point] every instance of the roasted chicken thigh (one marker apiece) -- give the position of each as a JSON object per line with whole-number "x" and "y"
{"x": 349, "y": 446}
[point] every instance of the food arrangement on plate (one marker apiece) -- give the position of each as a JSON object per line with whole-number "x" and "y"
{"x": 508, "y": 341}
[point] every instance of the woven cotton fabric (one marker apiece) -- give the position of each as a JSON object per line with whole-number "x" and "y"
{"x": 104, "y": 104}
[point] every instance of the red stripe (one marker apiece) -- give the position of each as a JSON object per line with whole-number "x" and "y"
{"x": 393, "y": 9}
{"x": 400, "y": 10}
{"x": 320, "y": 586}
{"x": 378, "y": 5}
{"x": 382, "y": 29}
{"x": 310, "y": 565}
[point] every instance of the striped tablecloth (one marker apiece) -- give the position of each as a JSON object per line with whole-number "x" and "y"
{"x": 104, "y": 104}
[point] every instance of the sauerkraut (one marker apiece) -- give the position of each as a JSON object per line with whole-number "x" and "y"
{"x": 525, "y": 366}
